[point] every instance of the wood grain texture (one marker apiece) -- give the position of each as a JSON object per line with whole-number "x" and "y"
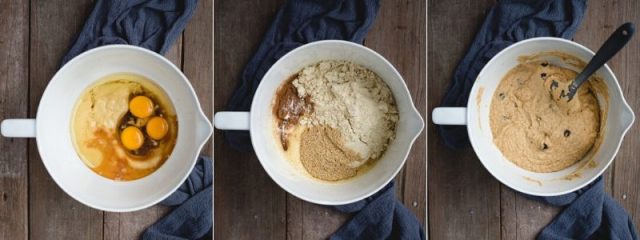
{"x": 247, "y": 202}
{"x": 38, "y": 34}
{"x": 14, "y": 83}
{"x": 53, "y": 214}
{"x": 310, "y": 221}
{"x": 399, "y": 34}
{"x": 519, "y": 217}
{"x": 198, "y": 61}
{"x": 193, "y": 53}
{"x": 198, "y": 57}
{"x": 131, "y": 225}
{"x": 398, "y": 24}
{"x": 602, "y": 18}
{"x": 245, "y": 197}
{"x": 464, "y": 200}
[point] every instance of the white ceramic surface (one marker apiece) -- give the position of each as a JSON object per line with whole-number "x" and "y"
{"x": 620, "y": 117}
{"x": 267, "y": 148}
{"x": 53, "y": 134}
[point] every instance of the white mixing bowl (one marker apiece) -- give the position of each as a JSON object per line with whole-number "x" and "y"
{"x": 619, "y": 119}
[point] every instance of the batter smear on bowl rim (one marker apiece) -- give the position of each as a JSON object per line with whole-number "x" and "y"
{"x": 336, "y": 117}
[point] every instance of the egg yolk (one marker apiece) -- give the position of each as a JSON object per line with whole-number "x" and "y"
{"x": 157, "y": 128}
{"x": 141, "y": 106}
{"x": 132, "y": 138}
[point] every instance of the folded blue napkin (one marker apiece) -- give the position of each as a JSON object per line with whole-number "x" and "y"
{"x": 151, "y": 24}
{"x": 297, "y": 22}
{"x": 193, "y": 216}
{"x": 155, "y": 25}
{"x": 380, "y": 216}
{"x": 590, "y": 212}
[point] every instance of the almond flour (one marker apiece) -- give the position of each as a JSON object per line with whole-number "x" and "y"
{"x": 353, "y": 101}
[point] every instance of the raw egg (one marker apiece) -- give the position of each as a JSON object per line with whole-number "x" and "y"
{"x": 157, "y": 128}
{"x": 141, "y": 106}
{"x": 132, "y": 138}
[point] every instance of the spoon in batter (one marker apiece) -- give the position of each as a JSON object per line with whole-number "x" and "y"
{"x": 616, "y": 41}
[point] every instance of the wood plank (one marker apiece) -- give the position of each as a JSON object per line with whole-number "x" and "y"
{"x": 529, "y": 217}
{"x": 198, "y": 61}
{"x": 247, "y": 202}
{"x": 395, "y": 27}
{"x": 399, "y": 34}
{"x": 304, "y": 220}
{"x": 14, "y": 83}
{"x": 626, "y": 166}
{"x": 523, "y": 218}
{"x": 53, "y": 214}
{"x": 464, "y": 199}
{"x": 132, "y": 225}
{"x": 192, "y": 52}
{"x": 311, "y": 221}
{"x": 198, "y": 57}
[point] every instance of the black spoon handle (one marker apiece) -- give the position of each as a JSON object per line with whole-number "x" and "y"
{"x": 616, "y": 41}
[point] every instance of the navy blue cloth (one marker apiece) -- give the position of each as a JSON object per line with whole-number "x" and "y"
{"x": 589, "y": 212}
{"x": 192, "y": 218}
{"x": 296, "y": 23}
{"x": 152, "y": 24}
{"x": 303, "y": 21}
{"x": 155, "y": 25}
{"x": 380, "y": 216}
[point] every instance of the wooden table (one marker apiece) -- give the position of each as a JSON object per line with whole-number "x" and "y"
{"x": 248, "y": 204}
{"x": 35, "y": 36}
{"x": 464, "y": 199}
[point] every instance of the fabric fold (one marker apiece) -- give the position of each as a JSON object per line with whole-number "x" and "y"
{"x": 303, "y": 21}
{"x": 151, "y": 24}
{"x": 380, "y": 216}
{"x": 155, "y": 25}
{"x": 193, "y": 216}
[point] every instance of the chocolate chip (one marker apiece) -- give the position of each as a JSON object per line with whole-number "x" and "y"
{"x": 501, "y": 95}
{"x": 567, "y": 133}
{"x": 543, "y": 75}
{"x": 554, "y": 84}
{"x": 544, "y": 64}
{"x": 562, "y": 94}
{"x": 544, "y": 146}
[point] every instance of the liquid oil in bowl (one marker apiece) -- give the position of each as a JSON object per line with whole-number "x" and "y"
{"x": 124, "y": 127}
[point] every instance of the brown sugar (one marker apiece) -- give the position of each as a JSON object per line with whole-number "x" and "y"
{"x": 324, "y": 156}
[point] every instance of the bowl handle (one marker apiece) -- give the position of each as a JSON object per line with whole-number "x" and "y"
{"x": 18, "y": 128}
{"x": 449, "y": 116}
{"x": 231, "y": 120}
